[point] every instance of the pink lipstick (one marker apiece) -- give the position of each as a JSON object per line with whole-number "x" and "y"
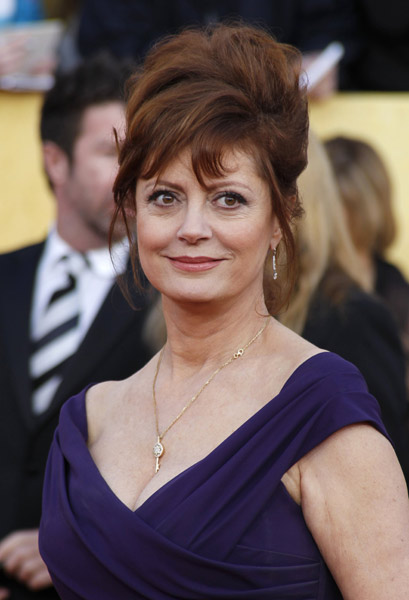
{"x": 194, "y": 263}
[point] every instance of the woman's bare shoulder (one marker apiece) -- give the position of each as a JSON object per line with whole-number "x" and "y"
{"x": 294, "y": 349}
{"x": 105, "y": 399}
{"x": 99, "y": 400}
{"x": 100, "y": 396}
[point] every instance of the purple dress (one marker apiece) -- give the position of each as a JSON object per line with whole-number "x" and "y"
{"x": 225, "y": 528}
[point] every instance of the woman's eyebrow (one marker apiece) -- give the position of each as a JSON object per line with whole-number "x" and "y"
{"x": 226, "y": 183}
{"x": 154, "y": 183}
{"x": 220, "y": 184}
{"x": 167, "y": 183}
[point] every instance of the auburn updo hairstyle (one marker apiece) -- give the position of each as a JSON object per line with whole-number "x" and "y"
{"x": 222, "y": 88}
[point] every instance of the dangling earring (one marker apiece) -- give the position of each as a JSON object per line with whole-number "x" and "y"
{"x": 275, "y": 274}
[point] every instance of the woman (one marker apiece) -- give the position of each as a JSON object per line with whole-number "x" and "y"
{"x": 330, "y": 307}
{"x": 366, "y": 194}
{"x": 242, "y": 462}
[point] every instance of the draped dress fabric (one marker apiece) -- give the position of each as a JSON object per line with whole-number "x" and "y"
{"x": 225, "y": 528}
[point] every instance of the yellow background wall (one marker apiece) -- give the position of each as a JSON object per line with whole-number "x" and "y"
{"x": 26, "y": 204}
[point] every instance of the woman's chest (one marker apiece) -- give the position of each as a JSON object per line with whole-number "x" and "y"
{"x": 124, "y": 451}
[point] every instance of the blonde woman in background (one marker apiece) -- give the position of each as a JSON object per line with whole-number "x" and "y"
{"x": 366, "y": 194}
{"x": 329, "y": 305}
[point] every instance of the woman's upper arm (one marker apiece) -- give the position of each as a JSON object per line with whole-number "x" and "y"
{"x": 355, "y": 503}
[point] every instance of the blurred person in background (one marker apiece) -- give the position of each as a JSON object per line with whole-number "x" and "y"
{"x": 330, "y": 306}
{"x": 366, "y": 193}
{"x": 63, "y": 320}
{"x": 131, "y": 28}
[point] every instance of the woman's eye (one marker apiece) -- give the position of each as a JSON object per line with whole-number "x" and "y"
{"x": 162, "y": 198}
{"x": 230, "y": 200}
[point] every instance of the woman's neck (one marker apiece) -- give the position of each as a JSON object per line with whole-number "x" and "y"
{"x": 199, "y": 336}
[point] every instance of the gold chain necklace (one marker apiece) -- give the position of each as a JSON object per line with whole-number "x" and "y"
{"x": 158, "y": 448}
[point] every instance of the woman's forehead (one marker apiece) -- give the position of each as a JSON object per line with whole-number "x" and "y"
{"x": 227, "y": 162}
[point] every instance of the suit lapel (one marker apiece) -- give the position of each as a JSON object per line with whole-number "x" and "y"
{"x": 16, "y": 298}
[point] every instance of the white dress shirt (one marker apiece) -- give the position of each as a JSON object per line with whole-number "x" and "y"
{"x": 93, "y": 281}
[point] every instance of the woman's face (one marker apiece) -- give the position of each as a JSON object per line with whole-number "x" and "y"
{"x": 206, "y": 244}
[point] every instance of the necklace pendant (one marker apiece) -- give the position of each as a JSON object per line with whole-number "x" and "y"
{"x": 158, "y": 450}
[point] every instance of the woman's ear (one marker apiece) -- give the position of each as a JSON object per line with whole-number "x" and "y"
{"x": 56, "y": 164}
{"x": 276, "y": 237}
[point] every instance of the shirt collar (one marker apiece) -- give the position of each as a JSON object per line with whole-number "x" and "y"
{"x": 55, "y": 248}
{"x": 102, "y": 261}
{"x": 106, "y": 263}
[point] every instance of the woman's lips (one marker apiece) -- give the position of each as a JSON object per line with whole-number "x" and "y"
{"x": 194, "y": 263}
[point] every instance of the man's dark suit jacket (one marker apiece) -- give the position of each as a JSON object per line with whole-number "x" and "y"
{"x": 111, "y": 349}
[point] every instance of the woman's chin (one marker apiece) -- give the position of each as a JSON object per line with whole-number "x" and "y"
{"x": 194, "y": 295}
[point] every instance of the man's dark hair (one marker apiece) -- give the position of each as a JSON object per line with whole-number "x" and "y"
{"x": 95, "y": 81}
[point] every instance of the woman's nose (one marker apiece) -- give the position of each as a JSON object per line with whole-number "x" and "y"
{"x": 195, "y": 225}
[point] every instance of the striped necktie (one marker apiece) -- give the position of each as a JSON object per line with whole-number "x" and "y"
{"x": 56, "y": 337}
